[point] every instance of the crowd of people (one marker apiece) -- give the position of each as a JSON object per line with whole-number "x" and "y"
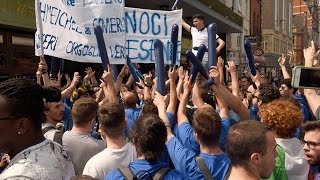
{"x": 121, "y": 129}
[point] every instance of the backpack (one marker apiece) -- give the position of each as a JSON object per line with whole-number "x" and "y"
{"x": 57, "y": 135}
{"x": 128, "y": 174}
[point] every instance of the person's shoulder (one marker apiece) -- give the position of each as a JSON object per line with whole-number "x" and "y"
{"x": 115, "y": 174}
{"x": 173, "y": 174}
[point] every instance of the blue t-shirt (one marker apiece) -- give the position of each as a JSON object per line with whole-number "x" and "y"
{"x": 185, "y": 135}
{"x": 145, "y": 170}
{"x": 184, "y": 161}
{"x": 132, "y": 115}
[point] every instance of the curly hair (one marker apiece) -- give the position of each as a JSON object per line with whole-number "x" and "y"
{"x": 268, "y": 93}
{"x": 149, "y": 136}
{"x": 283, "y": 117}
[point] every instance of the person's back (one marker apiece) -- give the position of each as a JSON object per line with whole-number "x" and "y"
{"x": 118, "y": 153}
{"x": 81, "y": 147}
{"x": 46, "y": 160}
{"x": 148, "y": 136}
{"x": 107, "y": 160}
{"x": 78, "y": 143}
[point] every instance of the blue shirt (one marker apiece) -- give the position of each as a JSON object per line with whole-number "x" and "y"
{"x": 142, "y": 169}
{"x": 184, "y": 161}
{"x": 185, "y": 135}
{"x": 132, "y": 115}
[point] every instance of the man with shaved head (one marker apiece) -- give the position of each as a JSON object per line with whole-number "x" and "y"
{"x": 130, "y": 101}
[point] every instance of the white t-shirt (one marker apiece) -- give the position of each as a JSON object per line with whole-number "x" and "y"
{"x": 198, "y": 38}
{"x": 46, "y": 160}
{"x": 110, "y": 159}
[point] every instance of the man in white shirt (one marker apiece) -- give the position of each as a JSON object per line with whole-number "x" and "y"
{"x": 200, "y": 36}
{"x": 118, "y": 153}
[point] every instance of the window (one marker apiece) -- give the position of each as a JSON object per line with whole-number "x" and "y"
{"x": 276, "y": 45}
{"x": 284, "y": 18}
{"x": 238, "y": 40}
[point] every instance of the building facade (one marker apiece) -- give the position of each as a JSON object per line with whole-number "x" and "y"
{"x": 305, "y": 27}
{"x": 235, "y": 41}
{"x": 277, "y": 33}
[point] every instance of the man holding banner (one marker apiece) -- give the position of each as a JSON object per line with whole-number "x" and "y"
{"x": 200, "y": 36}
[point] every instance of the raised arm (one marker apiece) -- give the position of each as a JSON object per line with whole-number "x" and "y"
{"x": 159, "y": 101}
{"x": 68, "y": 91}
{"x": 120, "y": 77}
{"x": 234, "y": 103}
{"x": 148, "y": 86}
{"x": 282, "y": 62}
{"x": 43, "y": 67}
{"x": 173, "y": 75}
{"x": 109, "y": 89}
{"x": 181, "y": 74}
{"x": 310, "y": 55}
{"x": 214, "y": 74}
{"x": 184, "y": 100}
{"x": 231, "y": 68}
{"x": 196, "y": 93}
{"x": 186, "y": 26}
{"x": 66, "y": 75}
{"x": 221, "y": 44}
{"x": 220, "y": 65}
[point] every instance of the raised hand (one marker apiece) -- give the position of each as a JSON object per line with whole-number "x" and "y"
{"x": 107, "y": 75}
{"x": 173, "y": 74}
{"x": 90, "y": 73}
{"x": 310, "y": 54}
{"x": 188, "y": 85}
{"x": 231, "y": 67}
{"x": 181, "y": 72}
{"x": 282, "y": 60}
{"x": 220, "y": 62}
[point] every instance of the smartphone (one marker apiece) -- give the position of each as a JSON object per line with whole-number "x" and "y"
{"x": 306, "y": 77}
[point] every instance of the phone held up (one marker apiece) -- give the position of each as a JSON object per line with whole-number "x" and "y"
{"x": 306, "y": 77}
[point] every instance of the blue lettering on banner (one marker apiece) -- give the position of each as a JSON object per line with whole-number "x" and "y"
{"x": 117, "y": 52}
{"x": 49, "y": 42}
{"x": 87, "y": 30}
{"x": 75, "y": 48}
{"x": 147, "y": 23}
{"x": 143, "y": 50}
{"x": 68, "y": 2}
{"x": 57, "y": 17}
{"x": 78, "y": 49}
{"x": 110, "y": 25}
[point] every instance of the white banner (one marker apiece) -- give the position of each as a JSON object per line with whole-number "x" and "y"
{"x": 68, "y": 30}
{"x": 143, "y": 26}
